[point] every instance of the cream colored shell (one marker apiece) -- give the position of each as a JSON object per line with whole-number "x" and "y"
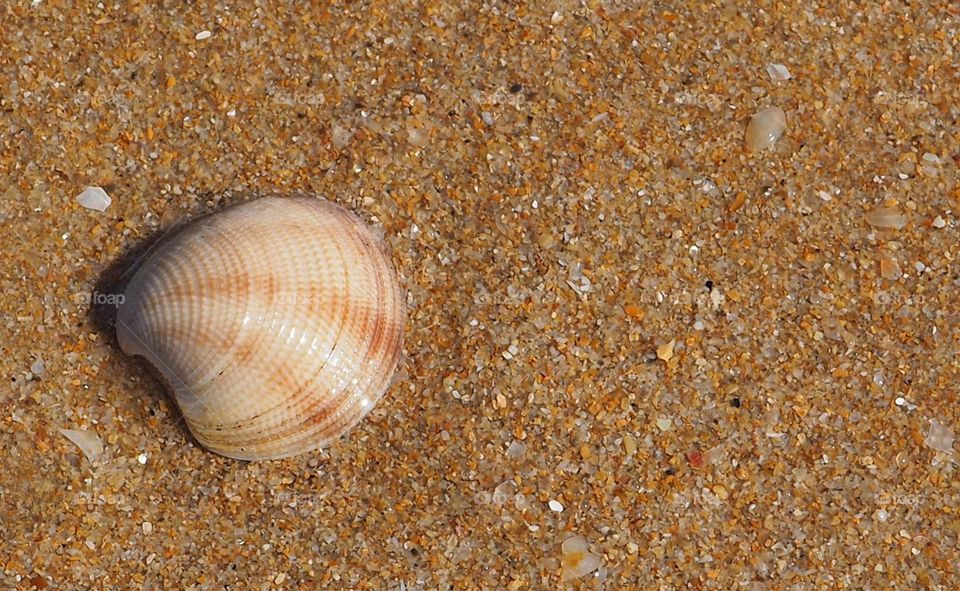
{"x": 277, "y": 324}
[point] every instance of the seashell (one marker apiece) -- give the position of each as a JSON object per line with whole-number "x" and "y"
{"x": 778, "y": 72}
{"x": 276, "y": 324}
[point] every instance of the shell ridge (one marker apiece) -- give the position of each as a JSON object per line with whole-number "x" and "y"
{"x": 277, "y": 324}
{"x": 305, "y": 390}
{"x": 286, "y": 429}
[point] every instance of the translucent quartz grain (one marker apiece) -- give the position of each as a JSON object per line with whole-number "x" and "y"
{"x": 886, "y": 217}
{"x": 577, "y": 560}
{"x": 939, "y": 437}
{"x": 94, "y": 198}
{"x": 889, "y": 268}
{"x": 87, "y": 440}
{"x": 778, "y": 72}
{"x": 765, "y": 128}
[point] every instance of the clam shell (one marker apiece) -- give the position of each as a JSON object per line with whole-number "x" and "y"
{"x": 276, "y": 324}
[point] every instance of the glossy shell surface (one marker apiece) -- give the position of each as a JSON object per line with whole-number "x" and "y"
{"x": 276, "y": 324}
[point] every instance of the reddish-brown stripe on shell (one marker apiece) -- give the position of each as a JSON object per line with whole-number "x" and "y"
{"x": 278, "y": 324}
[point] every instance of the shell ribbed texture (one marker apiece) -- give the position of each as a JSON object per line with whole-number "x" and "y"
{"x": 277, "y": 324}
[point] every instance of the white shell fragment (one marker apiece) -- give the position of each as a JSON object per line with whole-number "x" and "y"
{"x": 778, "y": 72}
{"x": 765, "y": 128}
{"x": 277, "y": 324}
{"x": 88, "y": 442}
{"x": 886, "y": 217}
{"x": 94, "y": 198}
{"x": 202, "y": 35}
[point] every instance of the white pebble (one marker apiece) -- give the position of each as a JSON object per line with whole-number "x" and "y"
{"x": 765, "y": 128}
{"x": 778, "y": 72}
{"x": 147, "y": 527}
{"x": 203, "y": 35}
{"x": 555, "y": 506}
{"x": 939, "y": 222}
{"x": 142, "y": 458}
{"x": 94, "y": 198}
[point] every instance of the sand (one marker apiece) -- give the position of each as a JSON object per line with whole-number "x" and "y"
{"x": 639, "y": 355}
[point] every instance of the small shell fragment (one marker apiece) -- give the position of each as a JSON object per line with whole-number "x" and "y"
{"x": 88, "y": 442}
{"x": 94, "y": 198}
{"x": 765, "y": 128}
{"x": 778, "y": 72}
{"x": 939, "y": 437}
{"x": 38, "y": 368}
{"x": 886, "y": 217}
{"x": 516, "y": 449}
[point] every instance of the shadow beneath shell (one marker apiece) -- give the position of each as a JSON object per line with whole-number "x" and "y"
{"x": 108, "y": 296}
